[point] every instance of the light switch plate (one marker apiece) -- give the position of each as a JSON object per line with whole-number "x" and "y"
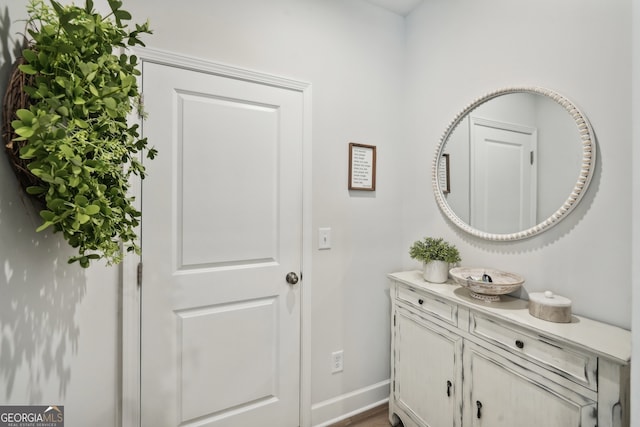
{"x": 324, "y": 238}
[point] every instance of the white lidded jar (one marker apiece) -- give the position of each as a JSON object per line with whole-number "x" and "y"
{"x": 548, "y": 306}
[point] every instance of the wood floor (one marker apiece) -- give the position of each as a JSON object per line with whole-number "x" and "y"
{"x": 375, "y": 417}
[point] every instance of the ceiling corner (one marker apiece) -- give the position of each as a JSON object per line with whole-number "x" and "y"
{"x": 400, "y": 7}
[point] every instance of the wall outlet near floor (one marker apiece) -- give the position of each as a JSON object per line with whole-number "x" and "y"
{"x": 337, "y": 361}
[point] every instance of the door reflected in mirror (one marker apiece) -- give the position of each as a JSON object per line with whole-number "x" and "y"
{"x": 519, "y": 160}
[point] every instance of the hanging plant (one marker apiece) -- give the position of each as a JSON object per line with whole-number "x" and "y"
{"x": 73, "y": 137}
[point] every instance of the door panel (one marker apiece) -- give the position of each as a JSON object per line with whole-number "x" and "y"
{"x": 428, "y": 387}
{"x": 240, "y": 160}
{"x": 503, "y": 178}
{"x": 503, "y": 395}
{"x": 222, "y": 226}
{"x": 244, "y": 357}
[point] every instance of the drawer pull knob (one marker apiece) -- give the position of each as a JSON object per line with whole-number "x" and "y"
{"x": 479, "y": 405}
{"x": 449, "y": 388}
{"x": 420, "y": 301}
{"x": 519, "y": 344}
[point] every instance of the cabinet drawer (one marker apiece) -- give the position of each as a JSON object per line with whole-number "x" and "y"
{"x": 571, "y": 364}
{"x": 430, "y": 305}
{"x": 503, "y": 394}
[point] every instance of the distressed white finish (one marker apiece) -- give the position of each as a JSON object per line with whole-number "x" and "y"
{"x": 502, "y": 282}
{"x": 430, "y": 364}
{"x": 587, "y": 138}
{"x": 453, "y": 355}
{"x": 501, "y": 393}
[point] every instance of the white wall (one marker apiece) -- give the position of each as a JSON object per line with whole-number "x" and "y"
{"x": 459, "y": 50}
{"x": 635, "y": 229}
{"x": 352, "y": 54}
{"x": 59, "y": 324}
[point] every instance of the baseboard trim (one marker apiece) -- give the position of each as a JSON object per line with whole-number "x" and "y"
{"x": 332, "y": 411}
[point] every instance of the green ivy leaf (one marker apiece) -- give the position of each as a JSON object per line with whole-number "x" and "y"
{"x": 56, "y": 204}
{"x": 25, "y": 115}
{"x": 57, "y": 7}
{"x": 25, "y": 131}
{"x": 29, "y": 55}
{"x": 110, "y": 103}
{"x": 62, "y": 82}
{"x": 81, "y": 123}
{"x": 92, "y": 209}
{"x": 47, "y": 215}
{"x": 67, "y": 151}
{"x": 43, "y": 59}
{"x": 45, "y": 225}
{"x": 83, "y": 218}
{"x": 84, "y": 68}
{"x": 35, "y": 190}
{"x": 28, "y": 152}
{"x": 81, "y": 200}
{"x": 122, "y": 15}
{"x": 115, "y": 5}
{"x": 28, "y": 69}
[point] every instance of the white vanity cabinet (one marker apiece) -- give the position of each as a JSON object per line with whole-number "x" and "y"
{"x": 459, "y": 362}
{"x": 430, "y": 356}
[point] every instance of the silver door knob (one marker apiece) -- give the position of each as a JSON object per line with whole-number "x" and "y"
{"x": 292, "y": 278}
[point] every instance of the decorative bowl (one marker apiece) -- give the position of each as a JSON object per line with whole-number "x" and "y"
{"x": 486, "y": 284}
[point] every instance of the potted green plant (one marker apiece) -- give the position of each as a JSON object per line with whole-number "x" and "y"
{"x": 74, "y": 137}
{"x": 437, "y": 255}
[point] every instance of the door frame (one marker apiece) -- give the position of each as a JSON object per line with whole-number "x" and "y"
{"x": 531, "y": 132}
{"x": 131, "y": 315}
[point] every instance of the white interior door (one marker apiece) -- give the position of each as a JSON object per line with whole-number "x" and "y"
{"x": 503, "y": 187}
{"x": 221, "y": 228}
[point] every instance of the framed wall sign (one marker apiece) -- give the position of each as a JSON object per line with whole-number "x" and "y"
{"x": 362, "y": 167}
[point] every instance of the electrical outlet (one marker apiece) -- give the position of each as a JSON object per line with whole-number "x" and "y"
{"x": 337, "y": 361}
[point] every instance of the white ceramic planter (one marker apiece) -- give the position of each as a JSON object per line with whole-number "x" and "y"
{"x": 436, "y": 271}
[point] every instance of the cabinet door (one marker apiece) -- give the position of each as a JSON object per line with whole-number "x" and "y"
{"x": 428, "y": 380}
{"x": 502, "y": 394}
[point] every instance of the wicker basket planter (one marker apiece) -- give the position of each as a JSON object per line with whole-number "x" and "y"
{"x": 16, "y": 98}
{"x": 66, "y": 126}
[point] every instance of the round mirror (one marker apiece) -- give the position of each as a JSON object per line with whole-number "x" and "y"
{"x": 513, "y": 163}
